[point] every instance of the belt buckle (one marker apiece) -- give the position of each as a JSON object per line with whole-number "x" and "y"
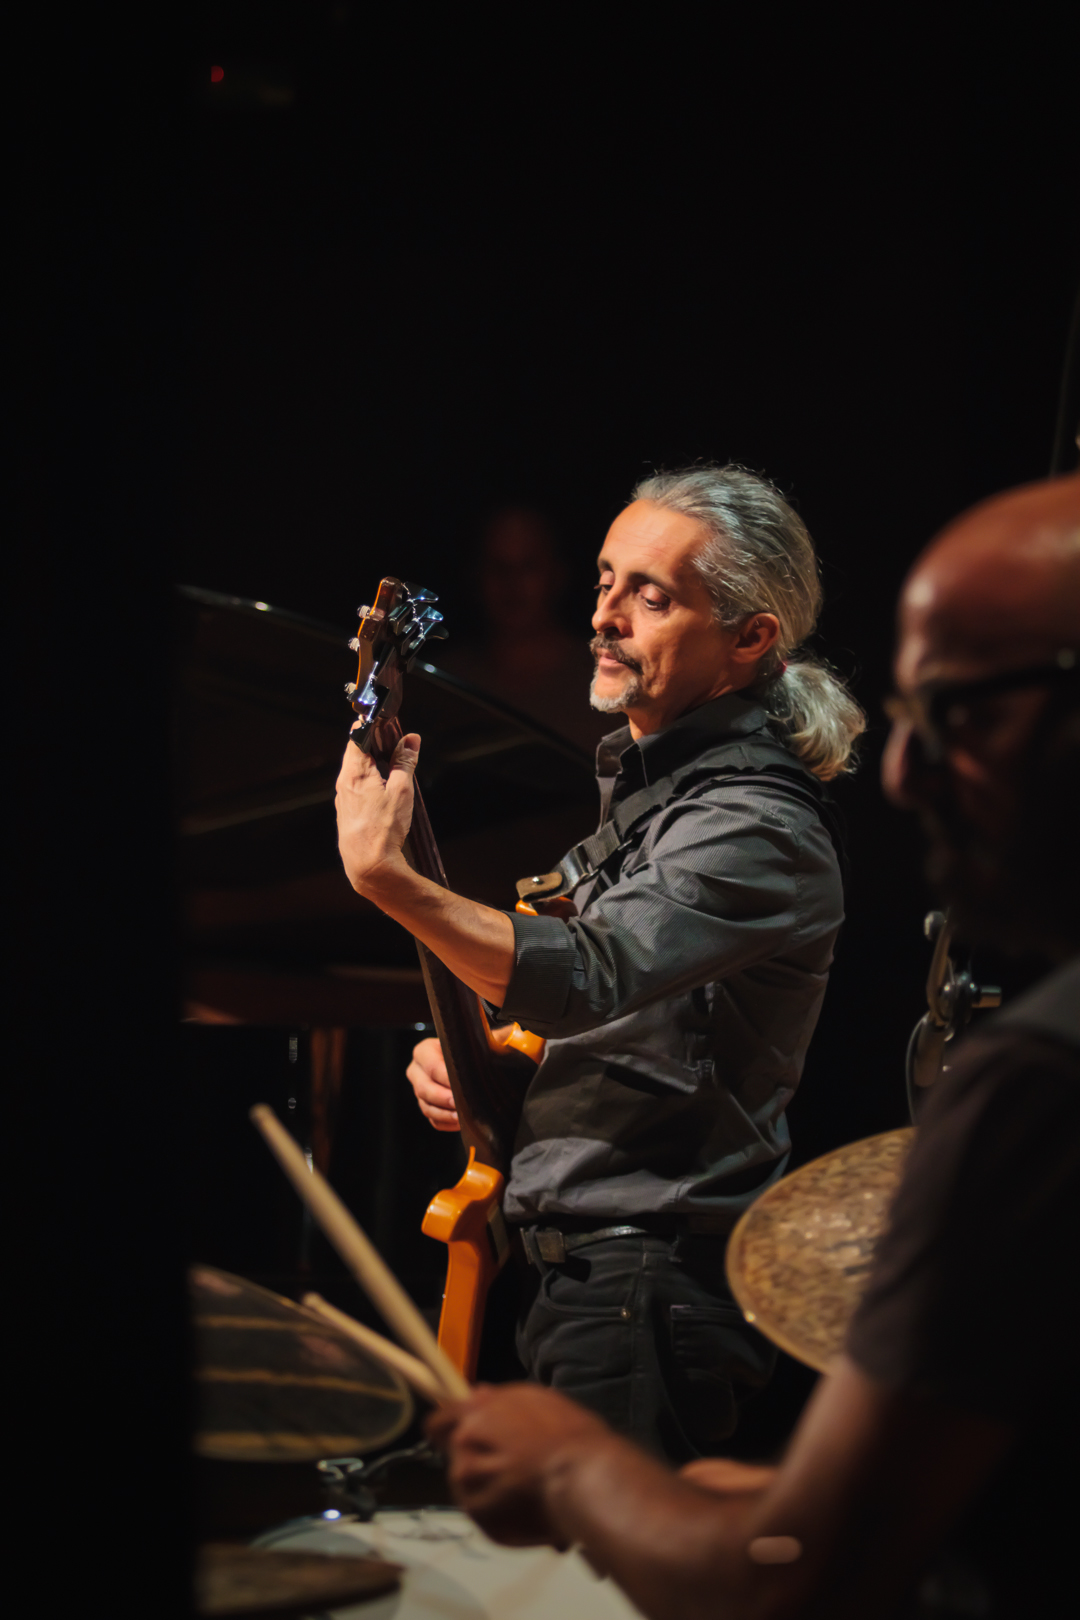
{"x": 550, "y": 1245}
{"x": 543, "y": 1245}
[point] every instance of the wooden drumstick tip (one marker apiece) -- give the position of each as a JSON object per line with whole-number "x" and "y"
{"x": 421, "y": 1377}
{"x": 774, "y": 1550}
{"x": 356, "y": 1249}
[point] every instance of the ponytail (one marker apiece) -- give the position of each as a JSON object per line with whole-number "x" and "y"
{"x": 757, "y": 557}
{"x": 813, "y": 713}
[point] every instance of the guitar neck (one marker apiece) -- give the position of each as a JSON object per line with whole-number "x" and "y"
{"x": 487, "y": 1107}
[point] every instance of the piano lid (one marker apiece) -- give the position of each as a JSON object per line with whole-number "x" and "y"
{"x": 261, "y": 725}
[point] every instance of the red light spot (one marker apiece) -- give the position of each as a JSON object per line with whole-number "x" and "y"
{"x": 216, "y": 75}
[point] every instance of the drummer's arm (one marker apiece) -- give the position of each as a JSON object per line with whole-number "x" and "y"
{"x": 474, "y": 941}
{"x": 872, "y": 1480}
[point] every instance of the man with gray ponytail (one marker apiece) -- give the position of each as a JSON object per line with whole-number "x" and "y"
{"x": 679, "y": 962}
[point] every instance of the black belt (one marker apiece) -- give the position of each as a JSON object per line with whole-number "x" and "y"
{"x": 550, "y": 1245}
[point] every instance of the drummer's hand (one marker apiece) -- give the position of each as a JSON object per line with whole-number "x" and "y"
{"x": 504, "y": 1444}
{"x": 726, "y": 1477}
{"x": 428, "y": 1077}
{"x": 374, "y": 816}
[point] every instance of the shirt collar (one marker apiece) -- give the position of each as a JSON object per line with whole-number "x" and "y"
{"x": 644, "y": 762}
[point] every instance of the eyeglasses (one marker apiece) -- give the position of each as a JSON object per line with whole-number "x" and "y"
{"x": 939, "y": 711}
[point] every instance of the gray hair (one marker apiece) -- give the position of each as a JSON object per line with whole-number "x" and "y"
{"x": 758, "y": 558}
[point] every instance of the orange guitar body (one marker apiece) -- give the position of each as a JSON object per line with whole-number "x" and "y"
{"x": 468, "y": 1219}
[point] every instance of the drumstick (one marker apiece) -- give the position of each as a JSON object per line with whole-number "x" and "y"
{"x": 421, "y": 1378}
{"x": 359, "y": 1254}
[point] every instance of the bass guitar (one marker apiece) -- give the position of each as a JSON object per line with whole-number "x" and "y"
{"x": 467, "y": 1217}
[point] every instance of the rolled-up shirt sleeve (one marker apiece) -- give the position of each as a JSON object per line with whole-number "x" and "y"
{"x": 715, "y": 887}
{"x": 545, "y": 956}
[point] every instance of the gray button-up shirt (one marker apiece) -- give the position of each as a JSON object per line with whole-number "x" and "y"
{"x": 679, "y": 1004}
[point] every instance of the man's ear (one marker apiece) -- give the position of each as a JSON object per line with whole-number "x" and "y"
{"x": 755, "y": 638}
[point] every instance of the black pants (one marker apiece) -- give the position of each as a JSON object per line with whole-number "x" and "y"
{"x": 644, "y": 1331}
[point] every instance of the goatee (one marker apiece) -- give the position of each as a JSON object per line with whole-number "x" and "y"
{"x": 630, "y": 693}
{"x": 625, "y": 699}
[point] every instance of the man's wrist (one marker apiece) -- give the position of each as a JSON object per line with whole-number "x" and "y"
{"x": 382, "y": 883}
{"x": 563, "y": 1472}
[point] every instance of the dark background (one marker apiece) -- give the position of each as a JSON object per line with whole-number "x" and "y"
{"x": 399, "y": 272}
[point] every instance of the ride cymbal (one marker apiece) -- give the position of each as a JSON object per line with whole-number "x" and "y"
{"x": 799, "y": 1259}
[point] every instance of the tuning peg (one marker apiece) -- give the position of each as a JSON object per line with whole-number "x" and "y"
{"x": 351, "y": 689}
{"x": 419, "y": 593}
{"x": 439, "y": 632}
{"x": 354, "y": 644}
{"x": 363, "y": 612}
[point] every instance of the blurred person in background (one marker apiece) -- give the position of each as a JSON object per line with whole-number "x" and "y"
{"x": 527, "y": 656}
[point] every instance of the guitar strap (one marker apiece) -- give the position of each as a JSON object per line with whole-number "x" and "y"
{"x": 624, "y": 825}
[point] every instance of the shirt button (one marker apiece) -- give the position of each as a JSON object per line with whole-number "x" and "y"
{"x": 625, "y": 1313}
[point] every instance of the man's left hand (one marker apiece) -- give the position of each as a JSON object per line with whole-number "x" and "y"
{"x": 505, "y": 1445}
{"x": 374, "y": 816}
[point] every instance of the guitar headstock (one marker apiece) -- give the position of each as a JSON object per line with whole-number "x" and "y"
{"x": 393, "y": 629}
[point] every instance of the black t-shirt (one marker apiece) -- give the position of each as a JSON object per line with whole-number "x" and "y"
{"x": 974, "y": 1297}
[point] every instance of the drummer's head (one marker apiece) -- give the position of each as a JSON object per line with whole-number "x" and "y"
{"x": 986, "y": 723}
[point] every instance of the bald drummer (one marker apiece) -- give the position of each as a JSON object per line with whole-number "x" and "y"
{"x": 928, "y": 1463}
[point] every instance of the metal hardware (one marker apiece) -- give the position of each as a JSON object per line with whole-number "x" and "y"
{"x": 951, "y": 996}
{"x": 347, "y": 1481}
{"x": 545, "y": 886}
{"x": 413, "y": 620}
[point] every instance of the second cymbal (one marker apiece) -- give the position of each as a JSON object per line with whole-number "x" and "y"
{"x": 799, "y": 1259}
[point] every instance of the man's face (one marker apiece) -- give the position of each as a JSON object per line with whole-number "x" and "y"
{"x": 659, "y": 650}
{"x": 972, "y": 783}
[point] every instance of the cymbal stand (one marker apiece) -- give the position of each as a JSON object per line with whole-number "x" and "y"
{"x": 952, "y": 996}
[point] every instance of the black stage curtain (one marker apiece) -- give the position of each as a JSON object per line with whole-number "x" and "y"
{"x": 97, "y": 1430}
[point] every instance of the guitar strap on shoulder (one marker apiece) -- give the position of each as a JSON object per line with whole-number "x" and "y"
{"x": 588, "y": 858}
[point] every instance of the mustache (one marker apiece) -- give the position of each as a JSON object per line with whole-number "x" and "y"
{"x": 604, "y": 644}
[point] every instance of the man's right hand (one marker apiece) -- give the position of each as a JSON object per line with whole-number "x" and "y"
{"x": 428, "y": 1077}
